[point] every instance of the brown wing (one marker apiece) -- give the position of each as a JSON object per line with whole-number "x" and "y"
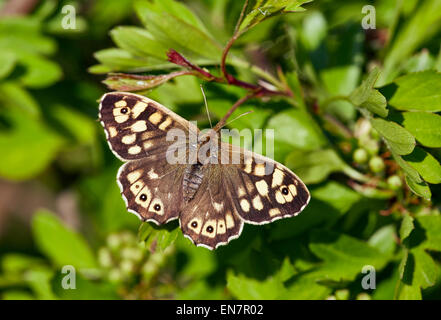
{"x": 210, "y": 218}
{"x": 136, "y": 127}
{"x": 152, "y": 188}
{"x": 257, "y": 191}
{"x": 264, "y": 190}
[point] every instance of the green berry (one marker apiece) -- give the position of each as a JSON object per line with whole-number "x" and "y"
{"x": 394, "y": 182}
{"x": 127, "y": 267}
{"x": 342, "y": 294}
{"x": 105, "y": 257}
{"x": 363, "y": 296}
{"x": 131, "y": 253}
{"x": 376, "y": 164}
{"x": 360, "y": 155}
{"x": 113, "y": 241}
{"x": 115, "y": 275}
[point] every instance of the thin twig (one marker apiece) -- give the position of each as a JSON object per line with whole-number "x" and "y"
{"x": 222, "y": 122}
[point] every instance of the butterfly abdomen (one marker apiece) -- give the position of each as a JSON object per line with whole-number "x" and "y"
{"x": 192, "y": 180}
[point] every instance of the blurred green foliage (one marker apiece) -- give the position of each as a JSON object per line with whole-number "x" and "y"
{"x": 362, "y": 130}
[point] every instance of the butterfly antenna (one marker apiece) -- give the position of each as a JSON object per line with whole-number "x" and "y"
{"x": 239, "y": 116}
{"x": 206, "y": 106}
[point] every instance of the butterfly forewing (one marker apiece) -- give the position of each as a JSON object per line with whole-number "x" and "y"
{"x": 136, "y": 127}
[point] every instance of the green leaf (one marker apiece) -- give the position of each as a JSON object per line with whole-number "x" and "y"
{"x": 364, "y": 91}
{"x": 343, "y": 256}
{"x": 431, "y": 229}
{"x": 407, "y": 168}
{"x": 427, "y": 166}
{"x": 384, "y": 239}
{"x": 313, "y": 30}
{"x": 176, "y": 32}
{"x": 39, "y": 72}
{"x": 252, "y": 289}
{"x": 418, "y": 92}
{"x": 264, "y": 9}
{"x": 315, "y": 166}
{"x": 60, "y": 244}
{"x": 419, "y": 188}
{"x": 420, "y": 26}
{"x": 12, "y": 95}
{"x": 28, "y": 138}
{"x": 138, "y": 42}
{"x": 398, "y": 139}
{"x": 155, "y": 238}
{"x": 7, "y": 63}
{"x": 376, "y": 103}
{"x": 296, "y": 123}
{"x": 406, "y": 226}
{"x": 426, "y": 127}
{"x": 336, "y": 195}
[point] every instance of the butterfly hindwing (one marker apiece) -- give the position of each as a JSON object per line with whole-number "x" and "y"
{"x": 264, "y": 190}
{"x": 211, "y": 219}
{"x": 135, "y": 126}
{"x": 152, "y": 189}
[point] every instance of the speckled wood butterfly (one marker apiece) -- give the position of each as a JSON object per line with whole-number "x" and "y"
{"x": 211, "y": 200}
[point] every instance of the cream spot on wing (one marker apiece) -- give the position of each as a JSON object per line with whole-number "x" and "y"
{"x": 136, "y": 187}
{"x": 165, "y": 124}
{"x": 138, "y": 109}
{"x": 241, "y": 192}
{"x": 155, "y": 118}
{"x": 262, "y": 187}
{"x": 274, "y": 212}
{"x": 147, "y": 135}
{"x": 144, "y": 197}
{"x": 134, "y": 176}
{"x": 218, "y": 206}
{"x": 121, "y": 119}
{"x": 120, "y": 104}
{"x": 229, "y": 220}
{"x": 293, "y": 190}
{"x": 134, "y": 150}
{"x": 245, "y": 205}
{"x": 280, "y": 198}
{"x": 248, "y": 164}
{"x": 195, "y": 225}
{"x": 221, "y": 228}
{"x": 277, "y": 178}
{"x": 209, "y": 229}
{"x": 139, "y": 126}
{"x": 259, "y": 169}
{"x": 156, "y": 206}
{"x": 129, "y": 139}
{"x": 257, "y": 203}
{"x": 152, "y": 174}
{"x": 148, "y": 144}
{"x": 113, "y": 132}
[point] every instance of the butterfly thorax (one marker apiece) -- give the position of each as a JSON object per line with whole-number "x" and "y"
{"x": 193, "y": 175}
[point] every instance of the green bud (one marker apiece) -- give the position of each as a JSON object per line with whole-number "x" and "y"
{"x": 115, "y": 275}
{"x": 105, "y": 257}
{"x": 113, "y": 241}
{"x": 363, "y": 296}
{"x": 376, "y": 164}
{"x": 127, "y": 267}
{"x": 342, "y": 294}
{"x": 131, "y": 253}
{"x": 371, "y": 146}
{"x": 394, "y": 182}
{"x": 360, "y": 155}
